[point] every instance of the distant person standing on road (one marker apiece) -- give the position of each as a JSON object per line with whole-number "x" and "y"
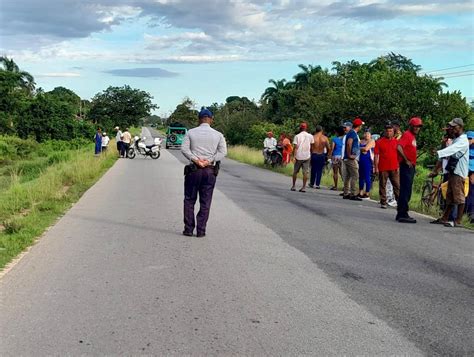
{"x": 336, "y": 156}
{"x": 287, "y": 149}
{"x": 204, "y": 147}
{"x": 98, "y": 141}
{"x": 302, "y": 155}
{"x": 350, "y": 164}
{"x": 458, "y": 170}
{"x": 470, "y": 197}
{"x": 118, "y": 139}
{"x": 366, "y": 164}
{"x": 319, "y": 151}
{"x": 386, "y": 164}
{"x": 407, "y": 159}
{"x": 126, "y": 140}
{"x": 105, "y": 141}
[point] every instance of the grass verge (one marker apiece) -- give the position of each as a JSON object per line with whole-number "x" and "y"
{"x": 28, "y": 208}
{"x": 254, "y": 157}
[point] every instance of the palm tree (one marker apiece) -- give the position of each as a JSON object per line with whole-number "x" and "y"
{"x": 25, "y": 79}
{"x": 303, "y": 78}
{"x": 271, "y": 93}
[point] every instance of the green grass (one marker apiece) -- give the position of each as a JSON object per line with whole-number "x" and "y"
{"x": 39, "y": 189}
{"x": 254, "y": 157}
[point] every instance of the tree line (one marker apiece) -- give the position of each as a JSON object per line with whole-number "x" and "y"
{"x": 387, "y": 88}
{"x": 60, "y": 114}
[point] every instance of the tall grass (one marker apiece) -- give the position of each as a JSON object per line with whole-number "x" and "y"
{"x": 28, "y": 207}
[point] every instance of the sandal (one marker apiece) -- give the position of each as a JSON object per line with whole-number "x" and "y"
{"x": 302, "y": 190}
{"x": 439, "y": 221}
{"x": 292, "y": 189}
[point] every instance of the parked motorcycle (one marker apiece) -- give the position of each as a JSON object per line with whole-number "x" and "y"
{"x": 274, "y": 157}
{"x": 139, "y": 147}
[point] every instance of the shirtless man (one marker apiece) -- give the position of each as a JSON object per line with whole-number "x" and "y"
{"x": 319, "y": 151}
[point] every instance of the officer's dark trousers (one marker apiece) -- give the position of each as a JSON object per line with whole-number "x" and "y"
{"x": 407, "y": 175}
{"x": 200, "y": 182}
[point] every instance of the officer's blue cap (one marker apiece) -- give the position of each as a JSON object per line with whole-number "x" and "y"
{"x": 205, "y": 113}
{"x": 470, "y": 134}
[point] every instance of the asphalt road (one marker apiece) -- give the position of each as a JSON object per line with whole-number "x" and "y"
{"x": 279, "y": 273}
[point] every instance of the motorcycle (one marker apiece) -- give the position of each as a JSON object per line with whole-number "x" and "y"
{"x": 139, "y": 147}
{"x": 274, "y": 157}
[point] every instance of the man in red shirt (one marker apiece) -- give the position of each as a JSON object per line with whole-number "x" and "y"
{"x": 386, "y": 164}
{"x": 407, "y": 159}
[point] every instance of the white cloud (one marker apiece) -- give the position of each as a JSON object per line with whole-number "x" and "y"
{"x": 59, "y": 74}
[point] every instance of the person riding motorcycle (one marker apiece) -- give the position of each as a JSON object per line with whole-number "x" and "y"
{"x": 269, "y": 144}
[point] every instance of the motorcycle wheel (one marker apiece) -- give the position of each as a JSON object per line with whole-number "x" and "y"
{"x": 131, "y": 153}
{"x": 155, "y": 155}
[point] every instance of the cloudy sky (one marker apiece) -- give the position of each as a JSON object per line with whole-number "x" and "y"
{"x": 209, "y": 50}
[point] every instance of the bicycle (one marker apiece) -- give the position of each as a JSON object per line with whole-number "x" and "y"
{"x": 431, "y": 192}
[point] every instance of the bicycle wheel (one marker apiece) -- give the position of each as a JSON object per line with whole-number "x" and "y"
{"x": 426, "y": 194}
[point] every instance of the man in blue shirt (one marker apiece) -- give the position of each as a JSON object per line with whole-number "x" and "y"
{"x": 350, "y": 164}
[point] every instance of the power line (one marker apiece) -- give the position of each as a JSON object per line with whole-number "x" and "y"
{"x": 449, "y": 73}
{"x": 445, "y": 69}
{"x": 462, "y": 75}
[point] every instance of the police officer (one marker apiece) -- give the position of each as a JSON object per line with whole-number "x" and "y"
{"x": 204, "y": 147}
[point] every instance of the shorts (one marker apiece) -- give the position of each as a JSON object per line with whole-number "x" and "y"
{"x": 455, "y": 194}
{"x": 302, "y": 164}
{"x": 337, "y": 161}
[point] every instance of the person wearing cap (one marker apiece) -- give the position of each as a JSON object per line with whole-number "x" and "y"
{"x": 386, "y": 164}
{"x": 458, "y": 169}
{"x": 407, "y": 159}
{"x": 350, "y": 163}
{"x": 204, "y": 147}
{"x": 105, "y": 141}
{"x": 269, "y": 144}
{"x": 470, "y": 197}
{"x": 118, "y": 140}
{"x": 302, "y": 155}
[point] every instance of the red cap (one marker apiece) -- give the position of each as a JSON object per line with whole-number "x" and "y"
{"x": 415, "y": 121}
{"x": 358, "y": 122}
{"x": 303, "y": 126}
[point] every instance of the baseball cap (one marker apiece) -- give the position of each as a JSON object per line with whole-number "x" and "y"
{"x": 470, "y": 134}
{"x": 415, "y": 121}
{"x": 205, "y": 113}
{"x": 347, "y": 124}
{"x": 303, "y": 126}
{"x": 456, "y": 121}
{"x": 116, "y": 128}
{"x": 358, "y": 122}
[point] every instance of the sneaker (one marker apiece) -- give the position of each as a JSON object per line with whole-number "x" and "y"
{"x": 384, "y": 206}
{"x": 392, "y": 203}
{"x": 317, "y": 187}
{"x": 187, "y": 234}
{"x": 355, "y": 198}
{"x": 311, "y": 186}
{"x": 346, "y": 197}
{"x": 406, "y": 220}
